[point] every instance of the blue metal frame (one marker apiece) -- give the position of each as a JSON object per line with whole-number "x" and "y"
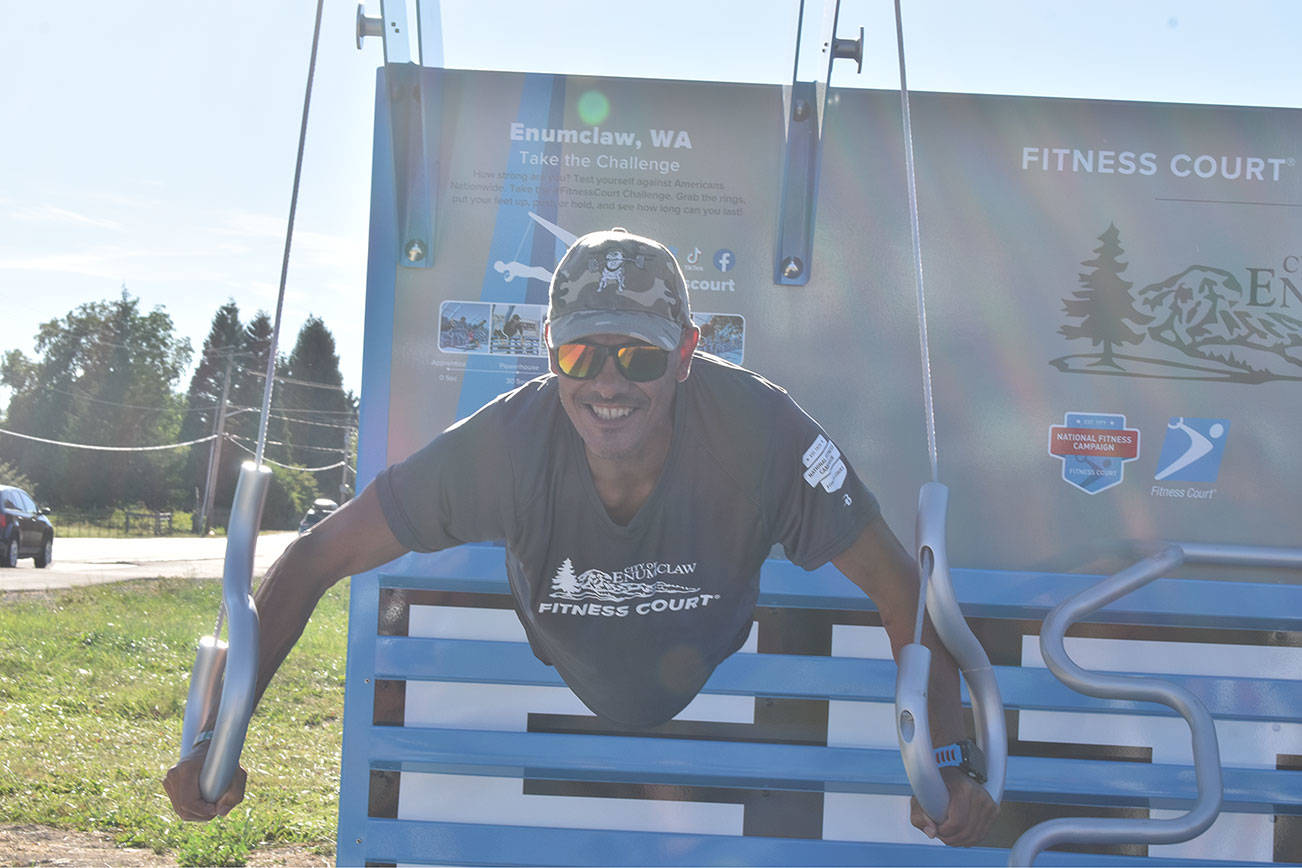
{"x": 983, "y": 593}
{"x": 373, "y": 437}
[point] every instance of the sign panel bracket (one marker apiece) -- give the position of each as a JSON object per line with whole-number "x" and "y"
{"x": 817, "y": 47}
{"x": 411, "y": 32}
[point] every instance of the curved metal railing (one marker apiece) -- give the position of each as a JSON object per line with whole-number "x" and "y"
{"x": 1206, "y": 752}
{"x": 911, "y": 711}
{"x": 229, "y": 668}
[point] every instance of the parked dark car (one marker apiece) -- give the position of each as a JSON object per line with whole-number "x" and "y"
{"x": 25, "y": 532}
{"x": 321, "y": 507}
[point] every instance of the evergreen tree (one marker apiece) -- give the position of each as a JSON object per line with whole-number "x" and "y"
{"x": 321, "y": 414}
{"x": 223, "y": 345}
{"x": 565, "y": 583}
{"x": 1105, "y": 305}
{"x": 244, "y": 416}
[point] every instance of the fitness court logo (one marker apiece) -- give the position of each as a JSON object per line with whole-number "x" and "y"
{"x": 1094, "y": 449}
{"x": 1192, "y": 450}
{"x": 597, "y": 592}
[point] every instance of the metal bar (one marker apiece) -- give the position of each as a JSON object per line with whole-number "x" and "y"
{"x": 428, "y": 842}
{"x": 1206, "y": 752}
{"x": 1249, "y": 556}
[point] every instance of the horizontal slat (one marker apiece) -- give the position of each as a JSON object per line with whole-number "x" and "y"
{"x": 809, "y": 677}
{"x": 691, "y": 762}
{"x": 982, "y": 593}
{"x": 465, "y": 844}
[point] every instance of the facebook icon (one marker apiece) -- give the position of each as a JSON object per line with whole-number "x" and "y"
{"x": 724, "y": 260}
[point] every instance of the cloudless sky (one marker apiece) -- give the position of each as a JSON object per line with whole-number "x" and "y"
{"x": 152, "y": 144}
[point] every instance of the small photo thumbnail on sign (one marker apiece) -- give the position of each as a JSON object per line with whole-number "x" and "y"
{"x": 518, "y": 330}
{"x": 463, "y": 326}
{"x": 722, "y": 335}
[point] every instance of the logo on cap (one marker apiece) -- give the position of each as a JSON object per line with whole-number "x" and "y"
{"x": 613, "y": 270}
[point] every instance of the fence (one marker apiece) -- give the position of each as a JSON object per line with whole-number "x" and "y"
{"x": 118, "y": 523}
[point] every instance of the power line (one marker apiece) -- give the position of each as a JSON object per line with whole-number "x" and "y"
{"x": 314, "y": 424}
{"x": 340, "y": 463}
{"x": 292, "y": 381}
{"x": 109, "y": 448}
{"x": 86, "y": 397}
{"x": 282, "y": 409}
{"x": 237, "y": 437}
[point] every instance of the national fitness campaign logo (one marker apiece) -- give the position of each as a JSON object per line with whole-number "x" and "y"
{"x": 596, "y": 592}
{"x": 1201, "y": 323}
{"x": 1094, "y": 449}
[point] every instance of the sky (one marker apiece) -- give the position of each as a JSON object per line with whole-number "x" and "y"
{"x": 152, "y": 146}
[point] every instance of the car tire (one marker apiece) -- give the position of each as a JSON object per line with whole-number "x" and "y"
{"x": 9, "y": 556}
{"x": 46, "y": 554}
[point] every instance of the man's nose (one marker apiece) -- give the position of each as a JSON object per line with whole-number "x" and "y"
{"x": 609, "y": 379}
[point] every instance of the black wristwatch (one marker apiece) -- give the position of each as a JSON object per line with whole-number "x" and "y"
{"x": 965, "y": 756}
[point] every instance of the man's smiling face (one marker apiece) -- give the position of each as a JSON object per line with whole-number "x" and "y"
{"x": 618, "y": 418}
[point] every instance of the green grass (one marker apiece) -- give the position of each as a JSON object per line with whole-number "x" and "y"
{"x": 92, "y": 692}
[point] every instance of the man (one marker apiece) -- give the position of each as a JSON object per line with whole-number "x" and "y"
{"x": 642, "y": 478}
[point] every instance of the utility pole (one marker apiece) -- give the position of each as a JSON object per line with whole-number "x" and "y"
{"x": 215, "y": 453}
{"x": 350, "y": 446}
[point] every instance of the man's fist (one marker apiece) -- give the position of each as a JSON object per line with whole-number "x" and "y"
{"x": 182, "y": 786}
{"x": 971, "y": 811}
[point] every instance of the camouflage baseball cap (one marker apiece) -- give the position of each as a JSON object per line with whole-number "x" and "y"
{"x": 615, "y": 282}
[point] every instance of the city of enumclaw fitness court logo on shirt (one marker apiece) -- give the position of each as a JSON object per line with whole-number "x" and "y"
{"x": 1094, "y": 449}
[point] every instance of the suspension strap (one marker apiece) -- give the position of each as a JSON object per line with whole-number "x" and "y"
{"x": 914, "y": 224}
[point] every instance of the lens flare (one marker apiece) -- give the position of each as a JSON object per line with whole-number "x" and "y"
{"x": 593, "y": 107}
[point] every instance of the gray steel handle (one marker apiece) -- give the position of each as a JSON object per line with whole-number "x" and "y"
{"x": 1206, "y": 753}
{"x": 240, "y": 654}
{"x": 911, "y": 716}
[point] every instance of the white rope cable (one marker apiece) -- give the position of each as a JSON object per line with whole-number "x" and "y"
{"x": 109, "y": 448}
{"x": 917, "y": 251}
{"x": 289, "y": 238}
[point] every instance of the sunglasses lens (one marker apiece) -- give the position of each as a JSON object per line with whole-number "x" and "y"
{"x": 581, "y": 361}
{"x": 637, "y": 362}
{"x": 642, "y": 364}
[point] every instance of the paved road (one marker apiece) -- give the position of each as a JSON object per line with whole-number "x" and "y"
{"x": 91, "y": 561}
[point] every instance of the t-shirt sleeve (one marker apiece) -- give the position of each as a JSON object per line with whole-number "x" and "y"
{"x": 818, "y": 504}
{"x": 454, "y": 490}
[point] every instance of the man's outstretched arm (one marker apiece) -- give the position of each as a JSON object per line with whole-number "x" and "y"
{"x": 353, "y": 539}
{"x": 879, "y": 565}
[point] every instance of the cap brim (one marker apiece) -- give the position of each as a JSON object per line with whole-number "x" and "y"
{"x": 649, "y": 327}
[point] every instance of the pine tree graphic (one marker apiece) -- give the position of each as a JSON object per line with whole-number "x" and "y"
{"x": 566, "y": 583}
{"x": 1105, "y": 305}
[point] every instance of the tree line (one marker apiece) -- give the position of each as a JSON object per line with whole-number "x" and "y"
{"x": 106, "y": 374}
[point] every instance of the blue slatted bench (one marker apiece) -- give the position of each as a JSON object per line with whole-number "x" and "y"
{"x": 477, "y": 572}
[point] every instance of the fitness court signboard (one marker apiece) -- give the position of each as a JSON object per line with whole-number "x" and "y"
{"x": 1114, "y": 290}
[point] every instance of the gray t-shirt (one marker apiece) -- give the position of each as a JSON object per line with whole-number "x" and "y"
{"x": 635, "y": 617}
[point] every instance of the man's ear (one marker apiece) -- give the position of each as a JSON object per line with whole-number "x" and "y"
{"x": 547, "y": 342}
{"x": 691, "y": 337}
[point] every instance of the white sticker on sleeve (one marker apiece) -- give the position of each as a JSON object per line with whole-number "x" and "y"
{"x": 835, "y": 477}
{"x": 826, "y": 462}
{"x": 815, "y": 450}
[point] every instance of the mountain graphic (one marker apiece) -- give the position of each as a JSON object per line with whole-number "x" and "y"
{"x": 1197, "y": 324}
{"x": 1203, "y": 312}
{"x": 599, "y": 585}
